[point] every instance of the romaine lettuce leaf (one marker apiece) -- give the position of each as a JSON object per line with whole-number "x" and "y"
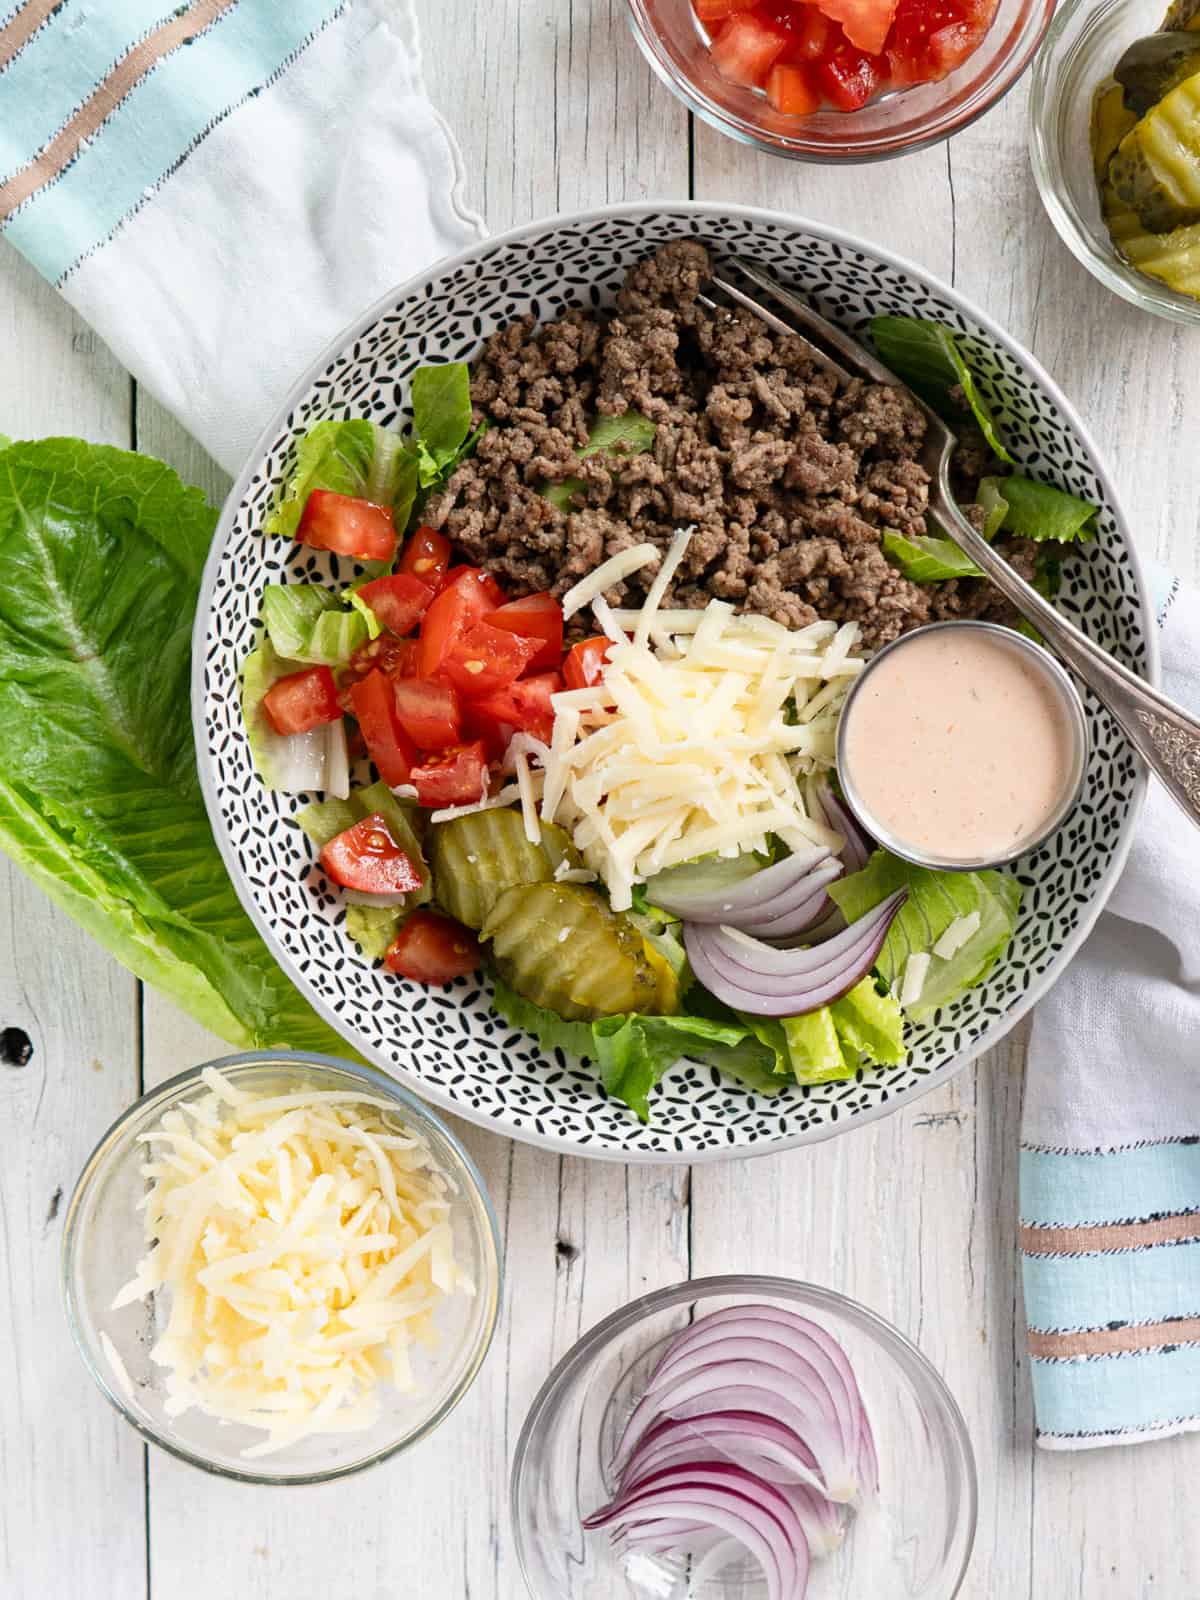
{"x": 373, "y": 928}
{"x": 100, "y": 800}
{"x": 925, "y": 559}
{"x": 441, "y": 398}
{"x": 870, "y": 1025}
{"x": 862, "y": 1029}
{"x": 629, "y": 433}
{"x": 1040, "y": 511}
{"x": 935, "y": 900}
{"x": 296, "y": 763}
{"x": 814, "y": 1048}
{"x": 353, "y": 457}
{"x": 304, "y": 622}
{"x": 926, "y": 356}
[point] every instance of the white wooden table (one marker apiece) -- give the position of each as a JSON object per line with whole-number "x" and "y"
{"x": 914, "y": 1215}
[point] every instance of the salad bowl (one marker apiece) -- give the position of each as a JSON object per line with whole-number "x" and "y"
{"x": 447, "y": 1042}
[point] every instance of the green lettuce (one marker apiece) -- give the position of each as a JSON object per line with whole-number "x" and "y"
{"x": 304, "y": 622}
{"x": 926, "y": 356}
{"x": 925, "y": 559}
{"x": 355, "y": 458}
{"x": 862, "y": 1029}
{"x": 630, "y": 433}
{"x": 632, "y": 1052}
{"x": 441, "y": 400}
{"x": 100, "y": 801}
{"x": 1040, "y": 511}
{"x": 935, "y": 900}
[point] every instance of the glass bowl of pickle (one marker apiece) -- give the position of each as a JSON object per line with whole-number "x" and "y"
{"x": 1115, "y": 144}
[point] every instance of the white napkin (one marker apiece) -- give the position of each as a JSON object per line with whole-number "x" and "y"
{"x": 1110, "y": 1163}
{"x": 247, "y": 179}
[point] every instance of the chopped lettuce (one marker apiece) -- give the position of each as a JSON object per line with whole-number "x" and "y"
{"x": 935, "y": 900}
{"x": 862, "y": 1029}
{"x": 374, "y": 927}
{"x": 325, "y": 819}
{"x": 926, "y": 356}
{"x": 100, "y": 802}
{"x": 304, "y": 622}
{"x": 814, "y": 1048}
{"x": 334, "y": 455}
{"x": 441, "y": 398}
{"x": 925, "y": 559}
{"x": 1040, "y": 511}
{"x": 870, "y": 1025}
{"x": 630, "y": 433}
{"x": 631, "y": 1052}
{"x": 295, "y": 763}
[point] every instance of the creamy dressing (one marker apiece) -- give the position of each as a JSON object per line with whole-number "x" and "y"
{"x": 957, "y": 746}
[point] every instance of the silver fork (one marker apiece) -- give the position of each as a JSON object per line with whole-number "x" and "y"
{"x": 1165, "y": 735}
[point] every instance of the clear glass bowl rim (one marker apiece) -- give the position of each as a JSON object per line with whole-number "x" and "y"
{"x": 898, "y": 1346}
{"x": 375, "y": 1081}
{"x": 1044, "y": 101}
{"x": 878, "y": 147}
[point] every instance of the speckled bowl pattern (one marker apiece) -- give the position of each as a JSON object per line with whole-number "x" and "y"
{"x": 447, "y": 1043}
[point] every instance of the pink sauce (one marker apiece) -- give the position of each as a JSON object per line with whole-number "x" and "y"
{"x": 958, "y": 747}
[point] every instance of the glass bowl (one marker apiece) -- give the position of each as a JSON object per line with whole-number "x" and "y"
{"x": 912, "y": 1544}
{"x": 103, "y": 1242}
{"x": 894, "y": 124}
{"x": 1082, "y": 47}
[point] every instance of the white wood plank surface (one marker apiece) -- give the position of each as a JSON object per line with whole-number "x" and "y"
{"x": 916, "y": 1215}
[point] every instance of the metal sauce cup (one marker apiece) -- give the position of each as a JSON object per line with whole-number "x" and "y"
{"x": 1064, "y": 691}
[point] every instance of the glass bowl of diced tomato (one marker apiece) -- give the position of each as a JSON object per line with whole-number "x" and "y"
{"x": 839, "y": 80}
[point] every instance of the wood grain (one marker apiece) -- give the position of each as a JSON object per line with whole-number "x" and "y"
{"x": 916, "y": 1215}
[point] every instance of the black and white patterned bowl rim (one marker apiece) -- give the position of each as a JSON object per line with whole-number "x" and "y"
{"x": 447, "y": 1043}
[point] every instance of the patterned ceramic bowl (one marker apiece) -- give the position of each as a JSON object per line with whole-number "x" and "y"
{"x": 447, "y": 1043}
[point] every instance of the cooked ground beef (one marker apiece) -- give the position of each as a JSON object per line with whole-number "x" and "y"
{"x": 788, "y": 477}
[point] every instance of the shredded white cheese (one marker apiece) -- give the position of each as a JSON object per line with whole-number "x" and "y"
{"x": 700, "y": 737}
{"x": 303, "y": 1241}
{"x": 607, "y": 575}
{"x": 915, "y": 970}
{"x": 956, "y": 935}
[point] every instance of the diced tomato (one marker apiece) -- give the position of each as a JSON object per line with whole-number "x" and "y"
{"x": 456, "y": 778}
{"x": 537, "y": 616}
{"x": 455, "y": 612}
{"x": 524, "y": 705}
{"x": 747, "y": 47}
{"x": 479, "y": 724}
{"x": 917, "y": 22}
{"x": 429, "y": 711}
{"x": 717, "y": 10}
{"x": 792, "y": 90}
{"x": 950, "y": 46}
{"x": 399, "y": 601}
{"x": 302, "y": 701}
{"x": 427, "y": 557}
{"x": 367, "y": 858}
{"x": 373, "y": 701}
{"x": 812, "y": 35}
{"x": 483, "y": 581}
{"x": 486, "y": 658}
{"x": 348, "y": 526}
{"x": 584, "y": 666}
{"x": 849, "y": 77}
{"x": 430, "y": 948}
{"x": 864, "y": 22}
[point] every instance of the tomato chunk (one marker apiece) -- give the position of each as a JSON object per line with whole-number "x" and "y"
{"x": 584, "y": 666}
{"x": 910, "y": 56}
{"x": 399, "y": 601}
{"x": 718, "y": 10}
{"x": 747, "y": 47}
{"x": 347, "y": 526}
{"x": 479, "y": 580}
{"x": 456, "y": 778}
{"x": 849, "y": 77}
{"x": 427, "y": 557}
{"x": 373, "y": 701}
{"x": 812, "y": 35}
{"x": 864, "y": 22}
{"x": 430, "y": 948}
{"x": 429, "y": 711}
{"x": 455, "y": 612}
{"x": 302, "y": 701}
{"x": 524, "y": 706}
{"x": 537, "y": 616}
{"x": 367, "y": 858}
{"x": 792, "y": 90}
{"x": 486, "y": 658}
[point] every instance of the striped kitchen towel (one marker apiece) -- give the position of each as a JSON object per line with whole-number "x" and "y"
{"x": 220, "y": 187}
{"x": 1110, "y": 1157}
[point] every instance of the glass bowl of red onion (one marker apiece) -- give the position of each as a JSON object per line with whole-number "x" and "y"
{"x": 744, "y": 1438}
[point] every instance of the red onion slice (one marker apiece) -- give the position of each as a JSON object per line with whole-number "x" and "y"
{"x": 743, "y": 898}
{"x": 753, "y": 1441}
{"x": 791, "y": 913}
{"x": 785, "y": 983}
{"x": 856, "y": 851}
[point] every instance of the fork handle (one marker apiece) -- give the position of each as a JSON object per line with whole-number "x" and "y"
{"x": 1165, "y": 735}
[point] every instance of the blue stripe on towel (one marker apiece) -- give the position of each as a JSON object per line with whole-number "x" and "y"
{"x": 1121, "y": 1186}
{"x": 1109, "y": 1393}
{"x": 50, "y": 78}
{"x": 1090, "y": 1291}
{"x": 156, "y": 125}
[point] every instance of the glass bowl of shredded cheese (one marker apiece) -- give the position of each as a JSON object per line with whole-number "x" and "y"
{"x": 281, "y": 1267}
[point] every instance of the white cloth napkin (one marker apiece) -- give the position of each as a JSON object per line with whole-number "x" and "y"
{"x": 219, "y": 194}
{"x": 1110, "y": 1162}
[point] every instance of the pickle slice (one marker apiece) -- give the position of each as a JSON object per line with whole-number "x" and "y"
{"x": 476, "y": 858}
{"x": 1155, "y": 65}
{"x": 562, "y": 947}
{"x": 1173, "y": 258}
{"x": 1156, "y": 170}
{"x": 1111, "y": 121}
